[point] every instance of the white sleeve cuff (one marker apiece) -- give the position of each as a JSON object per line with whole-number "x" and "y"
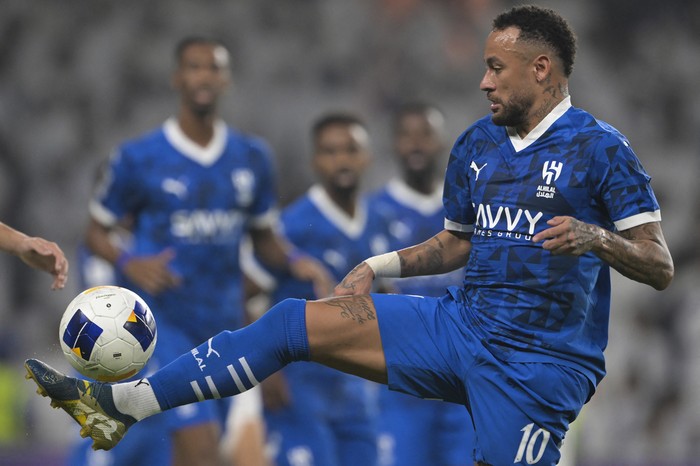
{"x": 454, "y": 226}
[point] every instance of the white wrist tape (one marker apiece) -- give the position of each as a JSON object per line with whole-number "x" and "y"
{"x": 385, "y": 265}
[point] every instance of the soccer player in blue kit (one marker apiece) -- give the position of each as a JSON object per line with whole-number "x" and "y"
{"x": 414, "y": 431}
{"x": 190, "y": 190}
{"x": 541, "y": 200}
{"x": 330, "y": 418}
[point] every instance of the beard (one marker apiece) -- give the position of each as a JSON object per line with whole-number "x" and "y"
{"x": 514, "y": 112}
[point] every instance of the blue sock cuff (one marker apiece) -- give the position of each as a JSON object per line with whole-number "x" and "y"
{"x": 295, "y": 325}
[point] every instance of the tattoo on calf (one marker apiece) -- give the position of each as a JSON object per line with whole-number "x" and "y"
{"x": 357, "y": 308}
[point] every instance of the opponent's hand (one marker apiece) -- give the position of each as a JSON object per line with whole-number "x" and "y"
{"x": 152, "y": 273}
{"x": 568, "y": 235}
{"x": 46, "y": 256}
{"x": 306, "y": 268}
{"x": 357, "y": 282}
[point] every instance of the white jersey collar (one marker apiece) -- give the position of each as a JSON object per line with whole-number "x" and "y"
{"x": 351, "y": 226}
{"x": 203, "y": 155}
{"x": 425, "y": 204}
{"x": 523, "y": 143}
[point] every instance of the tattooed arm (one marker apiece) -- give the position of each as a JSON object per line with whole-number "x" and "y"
{"x": 444, "y": 252}
{"x": 639, "y": 253}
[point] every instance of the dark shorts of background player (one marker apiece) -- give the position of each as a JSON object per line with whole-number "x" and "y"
{"x": 520, "y": 411}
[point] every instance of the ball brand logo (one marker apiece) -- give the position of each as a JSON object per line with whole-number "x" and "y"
{"x": 551, "y": 169}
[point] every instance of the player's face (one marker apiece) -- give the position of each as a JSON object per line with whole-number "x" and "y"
{"x": 202, "y": 76}
{"x": 418, "y": 140}
{"x": 508, "y": 81}
{"x": 341, "y": 156}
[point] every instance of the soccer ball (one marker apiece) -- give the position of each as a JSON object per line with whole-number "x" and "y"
{"x": 108, "y": 333}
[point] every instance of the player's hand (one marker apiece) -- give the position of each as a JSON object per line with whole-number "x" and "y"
{"x": 47, "y": 256}
{"x": 568, "y": 235}
{"x": 358, "y": 282}
{"x": 275, "y": 392}
{"x": 306, "y": 268}
{"x": 152, "y": 273}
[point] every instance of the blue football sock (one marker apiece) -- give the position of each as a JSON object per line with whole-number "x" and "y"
{"x": 232, "y": 362}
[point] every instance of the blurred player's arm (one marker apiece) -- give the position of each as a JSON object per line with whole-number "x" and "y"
{"x": 152, "y": 273}
{"x": 444, "y": 252}
{"x": 36, "y": 252}
{"x": 277, "y": 254}
{"x": 639, "y": 253}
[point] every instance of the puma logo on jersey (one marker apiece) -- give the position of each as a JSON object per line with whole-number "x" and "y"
{"x": 476, "y": 169}
{"x": 174, "y": 187}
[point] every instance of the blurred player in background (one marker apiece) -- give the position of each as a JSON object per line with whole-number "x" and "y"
{"x": 541, "y": 201}
{"x": 416, "y": 432}
{"x": 315, "y": 415}
{"x": 37, "y": 253}
{"x": 190, "y": 190}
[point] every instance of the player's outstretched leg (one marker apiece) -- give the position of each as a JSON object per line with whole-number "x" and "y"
{"x": 225, "y": 365}
{"x": 89, "y": 403}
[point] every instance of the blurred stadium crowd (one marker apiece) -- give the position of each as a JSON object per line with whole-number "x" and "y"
{"x": 77, "y": 77}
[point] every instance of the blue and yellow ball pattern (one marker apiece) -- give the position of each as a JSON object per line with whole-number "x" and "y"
{"x": 108, "y": 333}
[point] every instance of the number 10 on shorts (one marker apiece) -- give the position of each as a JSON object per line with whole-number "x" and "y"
{"x": 529, "y": 442}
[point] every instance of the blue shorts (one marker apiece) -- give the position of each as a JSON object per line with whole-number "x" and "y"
{"x": 520, "y": 411}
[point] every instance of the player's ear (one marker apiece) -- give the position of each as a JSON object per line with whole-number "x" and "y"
{"x": 542, "y": 67}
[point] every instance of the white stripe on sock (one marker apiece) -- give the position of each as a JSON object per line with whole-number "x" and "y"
{"x": 197, "y": 390}
{"x": 248, "y": 371}
{"x": 234, "y": 375}
{"x": 212, "y": 387}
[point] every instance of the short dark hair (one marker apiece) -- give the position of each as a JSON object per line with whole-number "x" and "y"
{"x": 412, "y": 108}
{"x": 541, "y": 25}
{"x": 188, "y": 41}
{"x": 332, "y": 119}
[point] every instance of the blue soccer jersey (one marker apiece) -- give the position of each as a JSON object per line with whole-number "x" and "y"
{"x": 414, "y": 217}
{"x": 198, "y": 202}
{"x": 332, "y": 418}
{"x": 316, "y": 226}
{"x": 533, "y": 305}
